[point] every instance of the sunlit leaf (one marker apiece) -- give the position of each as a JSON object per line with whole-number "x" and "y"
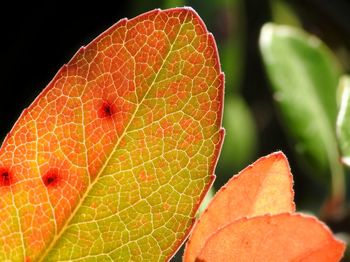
{"x": 304, "y": 76}
{"x": 282, "y": 237}
{"x": 111, "y": 161}
{"x": 263, "y": 187}
{"x": 343, "y": 121}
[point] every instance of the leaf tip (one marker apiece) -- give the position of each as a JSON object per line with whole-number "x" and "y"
{"x": 266, "y": 35}
{"x": 279, "y": 155}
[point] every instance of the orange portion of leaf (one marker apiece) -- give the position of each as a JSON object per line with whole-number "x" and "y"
{"x": 263, "y": 187}
{"x": 282, "y": 237}
{"x": 113, "y": 158}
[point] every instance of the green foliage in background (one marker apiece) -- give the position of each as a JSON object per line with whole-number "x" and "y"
{"x": 304, "y": 75}
{"x": 343, "y": 120}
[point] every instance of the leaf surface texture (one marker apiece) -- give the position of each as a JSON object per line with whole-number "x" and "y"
{"x": 112, "y": 159}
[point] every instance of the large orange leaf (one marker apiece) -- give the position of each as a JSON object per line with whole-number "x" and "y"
{"x": 263, "y": 187}
{"x": 282, "y": 237}
{"x": 111, "y": 160}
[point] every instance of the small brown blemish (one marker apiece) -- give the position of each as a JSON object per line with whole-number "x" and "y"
{"x": 51, "y": 178}
{"x": 106, "y": 110}
{"x": 6, "y": 178}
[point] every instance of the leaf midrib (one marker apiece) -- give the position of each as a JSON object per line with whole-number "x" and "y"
{"x": 65, "y": 226}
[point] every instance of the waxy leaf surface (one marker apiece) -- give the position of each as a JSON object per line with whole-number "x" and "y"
{"x": 112, "y": 159}
{"x": 263, "y": 187}
{"x": 282, "y": 237}
{"x": 304, "y": 76}
{"x": 343, "y": 120}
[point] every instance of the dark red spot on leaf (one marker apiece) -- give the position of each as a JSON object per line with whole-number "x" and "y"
{"x": 51, "y": 178}
{"x": 106, "y": 110}
{"x": 5, "y": 177}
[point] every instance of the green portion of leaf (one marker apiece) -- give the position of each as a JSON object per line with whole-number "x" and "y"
{"x": 343, "y": 120}
{"x": 304, "y": 76}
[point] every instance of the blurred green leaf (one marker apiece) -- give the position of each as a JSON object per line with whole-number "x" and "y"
{"x": 304, "y": 76}
{"x": 343, "y": 120}
{"x": 240, "y": 140}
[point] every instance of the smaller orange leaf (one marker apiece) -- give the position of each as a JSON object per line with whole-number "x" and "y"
{"x": 261, "y": 188}
{"x": 282, "y": 237}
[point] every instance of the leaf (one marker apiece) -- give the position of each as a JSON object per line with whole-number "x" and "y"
{"x": 263, "y": 187}
{"x": 112, "y": 159}
{"x": 282, "y": 237}
{"x": 304, "y": 75}
{"x": 343, "y": 119}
